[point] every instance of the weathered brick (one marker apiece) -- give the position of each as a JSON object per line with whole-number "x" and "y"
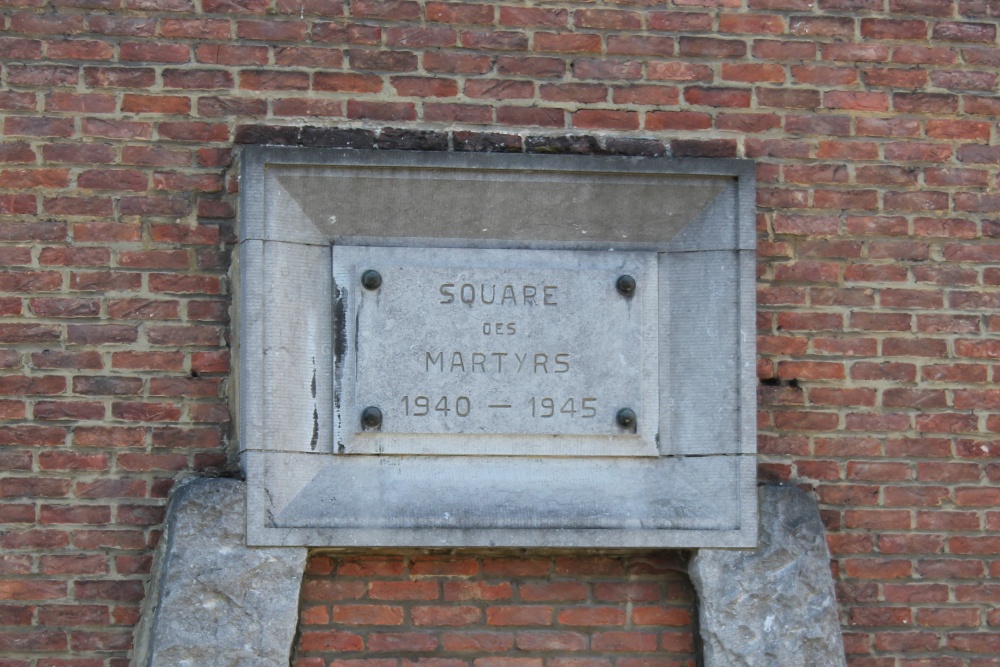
{"x": 871, "y": 122}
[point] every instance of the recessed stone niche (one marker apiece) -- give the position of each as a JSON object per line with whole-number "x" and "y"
{"x": 458, "y": 350}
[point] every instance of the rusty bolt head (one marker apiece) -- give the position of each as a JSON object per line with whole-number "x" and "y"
{"x": 626, "y": 418}
{"x": 625, "y": 285}
{"x": 371, "y": 417}
{"x": 371, "y": 279}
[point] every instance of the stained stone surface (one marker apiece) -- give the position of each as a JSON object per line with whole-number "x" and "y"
{"x": 213, "y": 601}
{"x": 773, "y": 605}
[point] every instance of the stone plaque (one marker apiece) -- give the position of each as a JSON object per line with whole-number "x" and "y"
{"x": 468, "y": 395}
{"x": 506, "y": 352}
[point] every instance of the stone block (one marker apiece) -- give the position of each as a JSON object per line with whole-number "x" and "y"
{"x": 315, "y": 350}
{"x": 213, "y": 601}
{"x": 773, "y": 605}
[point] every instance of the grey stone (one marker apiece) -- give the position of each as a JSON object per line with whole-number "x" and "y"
{"x": 774, "y": 605}
{"x": 449, "y": 199}
{"x": 695, "y": 488}
{"x": 213, "y": 601}
{"x": 499, "y": 346}
{"x": 516, "y": 501}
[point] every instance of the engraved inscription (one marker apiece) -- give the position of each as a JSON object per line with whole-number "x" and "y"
{"x": 466, "y": 345}
{"x": 508, "y": 298}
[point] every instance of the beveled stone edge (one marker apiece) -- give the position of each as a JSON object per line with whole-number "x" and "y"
{"x": 253, "y": 163}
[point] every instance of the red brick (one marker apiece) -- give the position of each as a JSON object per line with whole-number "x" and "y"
{"x": 622, "y": 641}
{"x": 47, "y": 24}
{"x": 270, "y": 31}
{"x": 499, "y": 89}
{"x": 39, "y": 75}
{"x": 606, "y": 119}
{"x": 456, "y": 63}
{"x": 401, "y": 641}
{"x": 31, "y": 487}
{"x": 821, "y": 26}
{"x": 890, "y": 29}
{"x": 683, "y": 21}
{"x": 529, "y": 66}
{"x": 505, "y": 662}
{"x": 421, "y": 37}
{"x": 640, "y": 45}
{"x": 387, "y": 111}
{"x": 501, "y": 40}
{"x": 154, "y": 52}
{"x": 461, "y": 590}
{"x": 502, "y": 615}
{"x": 677, "y": 71}
{"x": 607, "y": 19}
{"x": 538, "y": 17}
{"x": 762, "y": 24}
{"x": 403, "y": 590}
{"x": 450, "y": 566}
{"x": 273, "y": 80}
{"x": 312, "y": 7}
{"x": 551, "y": 641}
{"x": 753, "y": 72}
{"x": 487, "y": 642}
{"x": 221, "y": 54}
{"x": 959, "y": 80}
{"x": 34, "y": 178}
{"x": 363, "y": 614}
{"x": 773, "y": 49}
{"x": 193, "y": 131}
{"x": 224, "y": 106}
{"x": 530, "y": 116}
{"x": 38, "y": 127}
{"x": 69, "y": 102}
{"x": 717, "y": 97}
{"x": 677, "y": 120}
{"x": 895, "y": 78}
{"x": 386, "y": 9}
{"x": 308, "y": 57}
{"x": 709, "y": 47}
{"x": 119, "y": 77}
{"x": 351, "y": 33}
{"x": 574, "y": 92}
{"x": 567, "y": 42}
{"x": 846, "y": 52}
{"x": 103, "y": 385}
{"x": 329, "y": 640}
{"x": 456, "y": 13}
{"x": 964, "y": 32}
{"x": 445, "y": 616}
{"x": 591, "y": 616}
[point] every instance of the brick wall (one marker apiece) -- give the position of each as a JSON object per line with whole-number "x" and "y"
{"x": 875, "y": 126}
{"x": 496, "y": 611}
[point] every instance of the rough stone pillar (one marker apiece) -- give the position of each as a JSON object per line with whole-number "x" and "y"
{"x": 773, "y": 605}
{"x": 213, "y": 601}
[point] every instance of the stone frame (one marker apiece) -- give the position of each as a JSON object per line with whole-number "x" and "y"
{"x": 701, "y": 493}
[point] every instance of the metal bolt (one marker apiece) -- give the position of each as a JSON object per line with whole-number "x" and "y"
{"x": 625, "y": 285}
{"x": 626, "y": 418}
{"x": 371, "y": 417}
{"x": 371, "y": 279}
